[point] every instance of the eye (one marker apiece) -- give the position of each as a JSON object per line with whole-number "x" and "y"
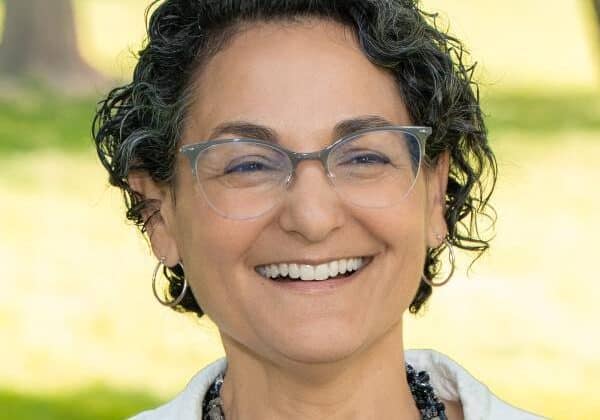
{"x": 246, "y": 167}
{"x": 365, "y": 158}
{"x": 248, "y": 164}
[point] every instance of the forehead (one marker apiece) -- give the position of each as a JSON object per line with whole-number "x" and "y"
{"x": 301, "y": 77}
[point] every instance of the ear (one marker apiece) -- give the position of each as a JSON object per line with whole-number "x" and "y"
{"x": 437, "y": 182}
{"x": 158, "y": 216}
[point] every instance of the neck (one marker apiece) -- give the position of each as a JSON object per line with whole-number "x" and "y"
{"x": 369, "y": 384}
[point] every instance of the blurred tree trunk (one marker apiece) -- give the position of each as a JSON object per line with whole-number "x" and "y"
{"x": 596, "y": 4}
{"x": 40, "y": 42}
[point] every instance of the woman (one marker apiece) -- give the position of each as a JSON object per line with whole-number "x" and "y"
{"x": 299, "y": 167}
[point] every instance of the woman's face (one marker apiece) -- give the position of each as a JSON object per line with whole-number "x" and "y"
{"x": 300, "y": 80}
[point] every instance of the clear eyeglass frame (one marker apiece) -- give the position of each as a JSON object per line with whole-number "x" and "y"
{"x": 194, "y": 151}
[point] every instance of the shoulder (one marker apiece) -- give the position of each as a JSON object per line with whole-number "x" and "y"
{"x": 452, "y": 383}
{"x": 187, "y": 405}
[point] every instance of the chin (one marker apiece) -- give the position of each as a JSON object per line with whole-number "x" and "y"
{"x": 320, "y": 353}
{"x": 320, "y": 342}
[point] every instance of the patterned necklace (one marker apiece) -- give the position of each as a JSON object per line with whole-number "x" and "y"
{"x": 430, "y": 407}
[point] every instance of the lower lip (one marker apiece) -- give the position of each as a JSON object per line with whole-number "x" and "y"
{"x": 318, "y": 286}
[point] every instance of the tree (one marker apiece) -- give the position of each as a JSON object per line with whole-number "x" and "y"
{"x": 40, "y": 42}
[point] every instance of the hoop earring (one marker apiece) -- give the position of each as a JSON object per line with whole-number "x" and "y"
{"x": 452, "y": 259}
{"x": 178, "y": 299}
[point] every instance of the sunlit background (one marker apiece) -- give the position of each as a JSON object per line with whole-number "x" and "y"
{"x": 81, "y": 336}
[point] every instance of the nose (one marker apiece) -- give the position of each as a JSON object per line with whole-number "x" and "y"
{"x": 312, "y": 208}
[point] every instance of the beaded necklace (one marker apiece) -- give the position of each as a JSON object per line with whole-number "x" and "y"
{"x": 430, "y": 407}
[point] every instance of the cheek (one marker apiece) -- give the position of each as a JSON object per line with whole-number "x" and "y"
{"x": 205, "y": 236}
{"x": 213, "y": 250}
{"x": 402, "y": 230}
{"x": 403, "y": 227}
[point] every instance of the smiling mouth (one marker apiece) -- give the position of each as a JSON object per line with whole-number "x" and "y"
{"x": 343, "y": 267}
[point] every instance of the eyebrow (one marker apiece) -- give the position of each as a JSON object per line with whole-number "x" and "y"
{"x": 343, "y": 128}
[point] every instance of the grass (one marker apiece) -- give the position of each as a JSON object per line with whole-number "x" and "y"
{"x": 542, "y": 112}
{"x": 98, "y": 402}
{"x": 39, "y": 120}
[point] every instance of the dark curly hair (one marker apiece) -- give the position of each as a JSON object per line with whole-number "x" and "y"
{"x": 138, "y": 125}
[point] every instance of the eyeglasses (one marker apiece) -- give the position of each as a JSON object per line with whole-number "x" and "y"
{"x": 243, "y": 178}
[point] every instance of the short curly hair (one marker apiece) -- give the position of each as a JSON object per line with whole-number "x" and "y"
{"x": 138, "y": 125}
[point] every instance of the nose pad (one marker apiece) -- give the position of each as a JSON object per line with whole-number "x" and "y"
{"x": 292, "y": 179}
{"x": 311, "y": 205}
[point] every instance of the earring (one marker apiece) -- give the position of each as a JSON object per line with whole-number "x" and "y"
{"x": 164, "y": 302}
{"x": 452, "y": 259}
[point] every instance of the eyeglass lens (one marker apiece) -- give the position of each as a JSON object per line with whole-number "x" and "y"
{"x": 242, "y": 180}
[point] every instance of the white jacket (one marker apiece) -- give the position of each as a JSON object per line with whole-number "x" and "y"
{"x": 450, "y": 381}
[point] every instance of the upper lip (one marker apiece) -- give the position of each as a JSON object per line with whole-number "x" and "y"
{"x": 313, "y": 261}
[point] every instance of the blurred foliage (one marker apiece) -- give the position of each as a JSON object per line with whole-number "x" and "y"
{"x": 40, "y": 120}
{"x": 97, "y": 402}
{"x": 542, "y": 112}
{"x": 43, "y": 121}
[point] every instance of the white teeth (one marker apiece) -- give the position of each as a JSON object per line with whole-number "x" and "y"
{"x": 310, "y": 272}
{"x": 274, "y": 270}
{"x": 322, "y": 271}
{"x": 283, "y": 269}
{"x": 333, "y": 268}
{"x": 342, "y": 266}
{"x": 307, "y": 272}
{"x": 294, "y": 271}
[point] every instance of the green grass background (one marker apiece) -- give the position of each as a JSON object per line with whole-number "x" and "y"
{"x": 82, "y": 338}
